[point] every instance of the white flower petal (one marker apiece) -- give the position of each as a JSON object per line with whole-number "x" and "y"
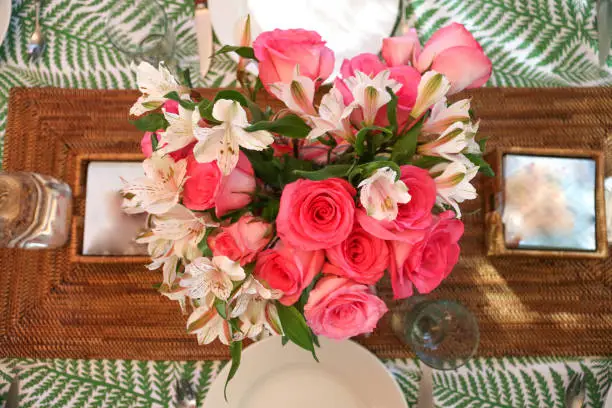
{"x": 229, "y": 267}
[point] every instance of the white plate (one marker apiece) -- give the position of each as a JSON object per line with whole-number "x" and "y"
{"x": 5, "y": 18}
{"x": 350, "y": 27}
{"x": 273, "y": 376}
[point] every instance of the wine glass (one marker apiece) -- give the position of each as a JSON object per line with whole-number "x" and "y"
{"x": 141, "y": 29}
{"x": 442, "y": 333}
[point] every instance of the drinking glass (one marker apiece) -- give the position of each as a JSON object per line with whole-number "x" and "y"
{"x": 140, "y": 29}
{"x": 442, "y": 333}
{"x": 35, "y": 211}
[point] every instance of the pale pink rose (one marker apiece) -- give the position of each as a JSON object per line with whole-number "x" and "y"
{"x": 398, "y": 51}
{"x": 361, "y": 257}
{"x": 237, "y": 188}
{"x": 146, "y": 145}
{"x": 424, "y": 264}
{"x": 202, "y": 185}
{"x": 242, "y": 240}
{"x": 454, "y": 52}
{"x": 288, "y": 269}
{"x": 340, "y": 308}
{"x": 413, "y": 217}
{"x": 316, "y": 214}
{"x": 279, "y": 51}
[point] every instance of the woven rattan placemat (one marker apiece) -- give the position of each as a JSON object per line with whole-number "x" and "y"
{"x": 57, "y": 304}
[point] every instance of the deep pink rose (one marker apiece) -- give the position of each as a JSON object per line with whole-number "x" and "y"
{"x": 242, "y": 240}
{"x": 279, "y": 51}
{"x": 454, "y": 52}
{"x": 183, "y": 153}
{"x": 237, "y": 188}
{"x": 171, "y": 106}
{"x": 340, "y": 308}
{"x": 398, "y": 51}
{"x": 206, "y": 187}
{"x": 288, "y": 269}
{"x": 425, "y": 263}
{"x": 316, "y": 214}
{"x": 361, "y": 257}
{"x": 202, "y": 184}
{"x": 146, "y": 145}
{"x": 414, "y": 217}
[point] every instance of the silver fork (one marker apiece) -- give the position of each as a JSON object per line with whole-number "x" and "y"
{"x": 576, "y": 391}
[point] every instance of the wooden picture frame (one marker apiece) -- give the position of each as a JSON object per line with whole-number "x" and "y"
{"x": 494, "y": 197}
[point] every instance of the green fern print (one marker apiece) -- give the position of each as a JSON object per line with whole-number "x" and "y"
{"x": 531, "y": 43}
{"x": 482, "y": 383}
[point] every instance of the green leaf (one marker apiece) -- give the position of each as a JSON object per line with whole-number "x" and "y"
{"x": 270, "y": 211}
{"x": 151, "y": 123}
{"x": 245, "y": 52}
{"x": 405, "y": 146}
{"x": 295, "y": 328}
{"x": 284, "y": 340}
{"x": 154, "y": 142}
{"x": 290, "y": 126}
{"x": 482, "y": 143}
{"x": 184, "y": 103}
{"x": 427, "y": 162}
{"x": 205, "y": 108}
{"x": 291, "y": 166}
{"x": 185, "y": 75}
{"x": 221, "y": 306}
{"x": 236, "y": 353}
{"x": 266, "y": 166}
{"x": 478, "y": 160}
{"x": 392, "y": 110}
{"x": 203, "y": 244}
{"x": 233, "y": 96}
{"x": 334, "y": 170}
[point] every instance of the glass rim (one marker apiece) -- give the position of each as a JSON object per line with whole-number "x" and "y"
{"x": 116, "y": 45}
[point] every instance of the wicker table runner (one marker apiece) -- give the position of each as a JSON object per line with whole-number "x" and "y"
{"x": 57, "y": 304}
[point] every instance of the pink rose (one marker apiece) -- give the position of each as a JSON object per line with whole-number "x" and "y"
{"x": 339, "y": 308}
{"x": 237, "y": 188}
{"x": 288, "y": 269}
{"x": 171, "y": 106}
{"x": 398, "y": 51}
{"x": 367, "y": 63}
{"x": 206, "y": 187}
{"x": 425, "y": 263}
{"x": 146, "y": 145}
{"x": 202, "y": 184}
{"x": 242, "y": 240}
{"x": 316, "y": 214}
{"x": 361, "y": 257}
{"x": 414, "y": 216}
{"x": 279, "y": 51}
{"x": 454, "y": 52}
{"x": 317, "y": 152}
{"x": 183, "y": 153}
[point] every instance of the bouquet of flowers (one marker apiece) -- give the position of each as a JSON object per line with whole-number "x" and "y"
{"x": 281, "y": 222}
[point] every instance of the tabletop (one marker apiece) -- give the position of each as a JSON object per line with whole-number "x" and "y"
{"x": 530, "y": 42}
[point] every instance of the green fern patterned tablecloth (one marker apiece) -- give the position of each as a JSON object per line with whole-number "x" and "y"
{"x": 531, "y": 43}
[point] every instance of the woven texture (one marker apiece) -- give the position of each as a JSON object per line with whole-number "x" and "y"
{"x": 54, "y": 305}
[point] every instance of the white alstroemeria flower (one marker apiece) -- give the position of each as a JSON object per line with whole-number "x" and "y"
{"x": 180, "y": 227}
{"x": 450, "y": 143}
{"x": 206, "y": 323}
{"x": 333, "y": 117}
{"x": 298, "y": 94}
{"x": 250, "y": 291}
{"x": 381, "y": 193}
{"x": 221, "y": 142}
{"x": 453, "y": 182}
{"x": 159, "y": 190}
{"x": 432, "y": 88}
{"x": 371, "y": 93}
{"x": 443, "y": 116}
{"x": 203, "y": 276}
{"x": 470, "y": 135}
{"x": 260, "y": 319}
{"x": 180, "y": 131}
{"x": 154, "y": 84}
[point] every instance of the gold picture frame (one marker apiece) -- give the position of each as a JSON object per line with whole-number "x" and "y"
{"x": 494, "y": 197}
